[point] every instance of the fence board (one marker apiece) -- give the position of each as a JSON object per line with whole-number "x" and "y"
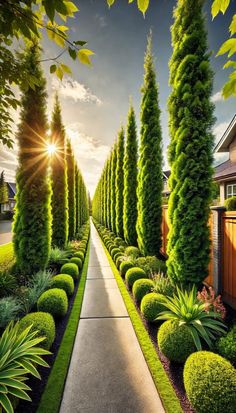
{"x": 229, "y": 258}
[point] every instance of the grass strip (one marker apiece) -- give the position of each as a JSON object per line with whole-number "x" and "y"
{"x": 7, "y": 258}
{"x": 164, "y": 387}
{"x": 51, "y": 399}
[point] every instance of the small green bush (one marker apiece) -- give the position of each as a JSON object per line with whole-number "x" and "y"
{"x": 53, "y": 301}
{"x": 65, "y": 282}
{"x": 114, "y": 251}
{"x": 132, "y": 252}
{"x": 210, "y": 383}
{"x": 230, "y": 203}
{"x": 163, "y": 285}
{"x": 71, "y": 269}
{"x": 226, "y": 346}
{"x": 151, "y": 306}
{"x": 117, "y": 255}
{"x": 151, "y": 265}
{"x": 111, "y": 247}
{"x": 8, "y": 284}
{"x": 44, "y": 324}
{"x": 119, "y": 260}
{"x": 79, "y": 254}
{"x": 77, "y": 261}
{"x": 141, "y": 288}
{"x": 125, "y": 266}
{"x": 119, "y": 241}
{"x": 134, "y": 274}
{"x": 175, "y": 341}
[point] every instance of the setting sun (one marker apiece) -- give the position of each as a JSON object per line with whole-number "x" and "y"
{"x": 51, "y": 149}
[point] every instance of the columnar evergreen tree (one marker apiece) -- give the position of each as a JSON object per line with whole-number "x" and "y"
{"x": 113, "y": 188}
{"x": 32, "y": 222}
{"x": 71, "y": 190}
{"x": 130, "y": 180}
{"x": 59, "y": 180}
{"x": 119, "y": 183}
{"x": 3, "y": 190}
{"x": 150, "y": 179}
{"x": 77, "y": 206}
{"x": 109, "y": 193}
{"x": 190, "y": 150}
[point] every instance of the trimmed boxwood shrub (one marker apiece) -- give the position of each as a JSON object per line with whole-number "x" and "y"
{"x": 132, "y": 251}
{"x": 175, "y": 341}
{"x": 125, "y": 266}
{"x": 117, "y": 255}
{"x": 119, "y": 241}
{"x": 77, "y": 261}
{"x": 210, "y": 383}
{"x": 141, "y": 288}
{"x": 114, "y": 251}
{"x": 151, "y": 306}
{"x": 119, "y": 261}
{"x": 65, "y": 282}
{"x": 111, "y": 247}
{"x": 53, "y": 301}
{"x": 226, "y": 346}
{"x": 134, "y": 274}
{"x": 79, "y": 254}
{"x": 230, "y": 203}
{"x": 44, "y": 324}
{"x": 71, "y": 269}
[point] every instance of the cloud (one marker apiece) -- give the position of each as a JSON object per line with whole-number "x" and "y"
{"x": 219, "y": 130}
{"x": 101, "y": 20}
{"x": 217, "y": 97}
{"x": 8, "y": 162}
{"x": 69, "y": 88}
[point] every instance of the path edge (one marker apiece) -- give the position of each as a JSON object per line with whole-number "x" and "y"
{"x": 52, "y": 396}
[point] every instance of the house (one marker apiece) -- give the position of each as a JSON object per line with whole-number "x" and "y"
{"x": 225, "y": 173}
{"x": 166, "y": 189}
{"x": 10, "y": 204}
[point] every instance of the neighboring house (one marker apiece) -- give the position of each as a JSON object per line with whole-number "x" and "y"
{"x": 10, "y": 204}
{"x": 225, "y": 173}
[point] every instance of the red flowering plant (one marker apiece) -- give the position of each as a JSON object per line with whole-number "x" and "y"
{"x": 212, "y": 303}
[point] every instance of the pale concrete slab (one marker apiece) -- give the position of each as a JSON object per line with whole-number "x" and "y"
{"x": 108, "y": 373}
{"x": 98, "y": 273}
{"x": 99, "y": 303}
{"x": 106, "y": 283}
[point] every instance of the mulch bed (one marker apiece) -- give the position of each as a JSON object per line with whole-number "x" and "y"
{"x": 35, "y": 384}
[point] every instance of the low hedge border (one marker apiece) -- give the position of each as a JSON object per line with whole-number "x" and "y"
{"x": 164, "y": 387}
{"x": 51, "y": 399}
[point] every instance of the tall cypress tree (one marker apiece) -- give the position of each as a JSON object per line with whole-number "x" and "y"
{"x": 108, "y": 192}
{"x": 150, "y": 179}
{"x": 119, "y": 183}
{"x": 71, "y": 190}
{"x": 3, "y": 190}
{"x": 59, "y": 180}
{"x": 190, "y": 150}
{"x": 32, "y": 222}
{"x": 113, "y": 188}
{"x": 77, "y": 218}
{"x": 130, "y": 180}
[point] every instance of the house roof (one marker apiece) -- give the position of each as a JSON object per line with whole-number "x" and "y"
{"x": 11, "y": 189}
{"x": 227, "y": 138}
{"x": 166, "y": 174}
{"x": 225, "y": 170}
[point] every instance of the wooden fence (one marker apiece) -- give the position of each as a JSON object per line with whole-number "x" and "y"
{"x": 227, "y": 253}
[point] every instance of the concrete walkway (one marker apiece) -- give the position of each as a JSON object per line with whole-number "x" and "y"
{"x": 5, "y": 232}
{"x": 108, "y": 373}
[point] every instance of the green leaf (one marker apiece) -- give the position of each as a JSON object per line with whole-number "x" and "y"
{"x": 71, "y": 8}
{"x": 59, "y": 72}
{"x": 80, "y": 42}
{"x": 20, "y": 394}
{"x": 72, "y": 53}
{"x": 5, "y": 402}
{"x": 228, "y": 47}
{"x": 232, "y": 27}
{"x": 66, "y": 68}
{"x": 143, "y": 5}
{"x": 83, "y": 55}
{"x": 49, "y": 9}
{"x": 53, "y": 68}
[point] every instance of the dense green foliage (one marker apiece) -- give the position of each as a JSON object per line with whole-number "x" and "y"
{"x": 151, "y": 306}
{"x": 71, "y": 190}
{"x": 130, "y": 180}
{"x": 54, "y": 302}
{"x": 77, "y": 261}
{"x": 3, "y": 189}
{"x": 210, "y": 383}
{"x": 190, "y": 149}
{"x": 32, "y": 223}
{"x": 125, "y": 266}
{"x": 175, "y": 341}
{"x": 163, "y": 285}
{"x": 134, "y": 274}
{"x": 113, "y": 188}
{"x": 9, "y": 310}
{"x": 44, "y": 324}
{"x": 141, "y": 288}
{"x": 151, "y": 265}
{"x": 226, "y": 345}
{"x": 65, "y": 282}
{"x": 150, "y": 178}
{"x": 230, "y": 203}
{"x": 59, "y": 180}
{"x": 71, "y": 269}
{"x": 132, "y": 252}
{"x": 79, "y": 254}
{"x": 119, "y": 184}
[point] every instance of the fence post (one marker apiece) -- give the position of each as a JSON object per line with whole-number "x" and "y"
{"x": 217, "y": 245}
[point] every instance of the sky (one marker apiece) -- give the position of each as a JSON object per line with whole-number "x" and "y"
{"x": 95, "y": 99}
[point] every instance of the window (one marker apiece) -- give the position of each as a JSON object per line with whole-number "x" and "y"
{"x": 231, "y": 190}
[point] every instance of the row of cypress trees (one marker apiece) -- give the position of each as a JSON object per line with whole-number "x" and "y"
{"x": 51, "y": 201}
{"x": 190, "y": 156}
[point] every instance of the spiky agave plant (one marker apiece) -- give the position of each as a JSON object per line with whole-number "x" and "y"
{"x": 19, "y": 356}
{"x": 187, "y": 309}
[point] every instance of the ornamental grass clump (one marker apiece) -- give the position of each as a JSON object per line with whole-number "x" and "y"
{"x": 163, "y": 285}
{"x": 186, "y": 309}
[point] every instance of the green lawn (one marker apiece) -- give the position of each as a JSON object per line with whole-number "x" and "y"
{"x": 6, "y": 256}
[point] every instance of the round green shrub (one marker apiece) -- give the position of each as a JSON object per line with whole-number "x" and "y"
{"x": 53, "y": 301}
{"x": 44, "y": 324}
{"x": 134, "y": 274}
{"x": 132, "y": 251}
{"x": 210, "y": 383}
{"x": 71, "y": 269}
{"x": 117, "y": 255}
{"x": 77, "y": 261}
{"x": 125, "y": 266}
{"x": 111, "y": 247}
{"x": 226, "y": 345}
{"x": 119, "y": 241}
{"x": 65, "y": 282}
{"x": 141, "y": 288}
{"x": 151, "y": 306}
{"x": 230, "y": 203}
{"x": 114, "y": 251}
{"x": 119, "y": 261}
{"x": 79, "y": 254}
{"x": 175, "y": 341}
